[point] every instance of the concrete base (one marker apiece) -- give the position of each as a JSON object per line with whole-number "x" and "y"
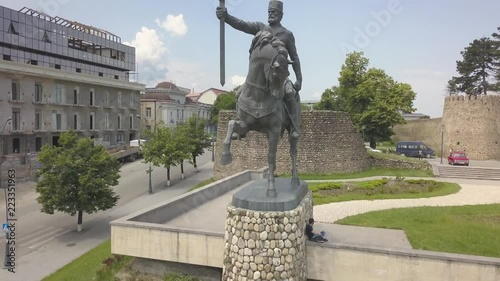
{"x": 267, "y": 245}
{"x": 253, "y": 196}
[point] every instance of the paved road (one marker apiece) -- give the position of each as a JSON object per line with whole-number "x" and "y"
{"x": 45, "y": 243}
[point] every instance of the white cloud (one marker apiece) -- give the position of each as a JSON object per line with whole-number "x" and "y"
{"x": 175, "y": 25}
{"x": 317, "y": 95}
{"x": 148, "y": 46}
{"x": 237, "y": 80}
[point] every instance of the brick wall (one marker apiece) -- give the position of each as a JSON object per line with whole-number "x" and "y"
{"x": 329, "y": 144}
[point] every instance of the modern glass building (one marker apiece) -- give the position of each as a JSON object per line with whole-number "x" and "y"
{"x": 56, "y": 75}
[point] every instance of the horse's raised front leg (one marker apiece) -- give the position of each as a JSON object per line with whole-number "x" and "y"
{"x": 272, "y": 139}
{"x": 234, "y": 128}
{"x": 227, "y": 157}
{"x": 293, "y": 155}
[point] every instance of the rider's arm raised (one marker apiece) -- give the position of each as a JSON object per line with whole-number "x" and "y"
{"x": 245, "y": 26}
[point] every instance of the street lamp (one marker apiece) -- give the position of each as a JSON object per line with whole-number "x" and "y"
{"x": 213, "y": 149}
{"x": 442, "y": 137}
{"x": 150, "y": 170}
{"x": 6, "y": 264}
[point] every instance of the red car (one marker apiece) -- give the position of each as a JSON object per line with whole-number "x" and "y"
{"x": 458, "y": 158}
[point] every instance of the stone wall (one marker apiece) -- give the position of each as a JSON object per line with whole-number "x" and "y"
{"x": 329, "y": 144}
{"x": 425, "y": 130}
{"x": 471, "y": 124}
{"x": 266, "y": 245}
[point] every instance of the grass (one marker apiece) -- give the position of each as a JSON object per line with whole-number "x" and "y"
{"x": 89, "y": 266}
{"x": 372, "y": 172}
{"x": 202, "y": 184}
{"x": 472, "y": 230}
{"x": 325, "y": 193}
{"x": 395, "y": 157}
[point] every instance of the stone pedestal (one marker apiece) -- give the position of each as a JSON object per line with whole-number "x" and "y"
{"x": 267, "y": 243}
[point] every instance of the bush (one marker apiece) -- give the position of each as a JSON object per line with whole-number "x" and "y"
{"x": 326, "y": 186}
{"x": 371, "y": 185}
{"x": 177, "y": 277}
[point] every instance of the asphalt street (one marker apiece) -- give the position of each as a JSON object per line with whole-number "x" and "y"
{"x": 45, "y": 243}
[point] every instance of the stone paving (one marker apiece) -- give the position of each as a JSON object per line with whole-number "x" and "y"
{"x": 472, "y": 193}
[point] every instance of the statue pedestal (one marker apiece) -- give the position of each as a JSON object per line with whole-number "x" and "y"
{"x": 264, "y": 237}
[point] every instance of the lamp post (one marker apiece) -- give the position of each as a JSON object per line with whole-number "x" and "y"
{"x": 150, "y": 170}
{"x": 213, "y": 149}
{"x": 6, "y": 263}
{"x": 442, "y": 137}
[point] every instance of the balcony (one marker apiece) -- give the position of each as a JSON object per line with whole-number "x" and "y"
{"x": 17, "y": 101}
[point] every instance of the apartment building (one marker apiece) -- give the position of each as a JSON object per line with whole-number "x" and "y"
{"x": 58, "y": 75}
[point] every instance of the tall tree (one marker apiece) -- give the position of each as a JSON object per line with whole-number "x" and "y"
{"x": 330, "y": 100}
{"x": 167, "y": 147}
{"x": 477, "y": 65}
{"x": 496, "y": 41}
{"x": 198, "y": 138}
{"x": 226, "y": 101}
{"x": 373, "y": 99}
{"x": 76, "y": 177}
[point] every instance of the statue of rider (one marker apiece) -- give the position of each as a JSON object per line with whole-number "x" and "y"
{"x": 275, "y": 14}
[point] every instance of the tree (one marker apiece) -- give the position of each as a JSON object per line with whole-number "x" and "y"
{"x": 226, "y": 101}
{"x": 330, "y": 100}
{"x": 478, "y": 64}
{"x": 167, "y": 147}
{"x": 496, "y": 41}
{"x": 372, "y": 98}
{"x": 76, "y": 177}
{"x": 198, "y": 138}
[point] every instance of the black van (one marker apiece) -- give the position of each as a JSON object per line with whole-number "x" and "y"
{"x": 411, "y": 148}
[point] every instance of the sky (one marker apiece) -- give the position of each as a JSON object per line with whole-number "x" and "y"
{"x": 415, "y": 42}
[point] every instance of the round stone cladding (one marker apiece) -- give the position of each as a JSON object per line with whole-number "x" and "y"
{"x": 266, "y": 245}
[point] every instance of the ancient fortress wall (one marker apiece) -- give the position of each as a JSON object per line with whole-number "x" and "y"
{"x": 329, "y": 144}
{"x": 471, "y": 124}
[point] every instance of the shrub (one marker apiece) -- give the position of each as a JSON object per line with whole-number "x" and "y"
{"x": 371, "y": 185}
{"x": 326, "y": 186}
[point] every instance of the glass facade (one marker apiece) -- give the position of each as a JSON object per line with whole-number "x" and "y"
{"x": 27, "y": 37}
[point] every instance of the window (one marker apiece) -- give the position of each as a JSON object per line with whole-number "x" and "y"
{"x": 59, "y": 94}
{"x": 38, "y": 121}
{"x": 92, "y": 97}
{"x": 119, "y": 122}
{"x": 119, "y": 100}
{"x": 75, "y": 122}
{"x": 16, "y": 145}
{"x": 79, "y": 70}
{"x": 33, "y": 62}
{"x": 57, "y": 66}
{"x": 101, "y": 74}
{"x": 38, "y": 144}
{"x": 132, "y": 101}
{"x": 119, "y": 138}
{"x": 7, "y": 57}
{"x": 38, "y": 92}
{"x": 106, "y": 121}
{"x": 15, "y": 90}
{"x": 131, "y": 122}
{"x": 75, "y": 95}
{"x": 16, "y": 119}
{"x": 92, "y": 121}
{"x": 148, "y": 112}
{"x": 148, "y": 128}
{"x": 56, "y": 120}
{"x": 106, "y": 98}
{"x": 14, "y": 28}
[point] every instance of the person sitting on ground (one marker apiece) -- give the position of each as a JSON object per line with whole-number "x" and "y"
{"x": 320, "y": 237}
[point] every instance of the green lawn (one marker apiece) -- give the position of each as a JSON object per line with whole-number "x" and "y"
{"x": 372, "y": 172}
{"x": 472, "y": 230}
{"x": 330, "y": 192}
{"x": 87, "y": 267}
{"x": 202, "y": 184}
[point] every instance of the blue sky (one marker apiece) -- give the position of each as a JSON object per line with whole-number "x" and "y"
{"x": 416, "y": 42}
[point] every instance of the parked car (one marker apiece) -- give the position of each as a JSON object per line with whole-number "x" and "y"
{"x": 411, "y": 149}
{"x": 458, "y": 158}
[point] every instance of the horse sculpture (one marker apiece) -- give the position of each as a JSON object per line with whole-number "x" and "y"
{"x": 260, "y": 105}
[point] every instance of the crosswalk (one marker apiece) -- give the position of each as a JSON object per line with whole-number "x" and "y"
{"x": 28, "y": 242}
